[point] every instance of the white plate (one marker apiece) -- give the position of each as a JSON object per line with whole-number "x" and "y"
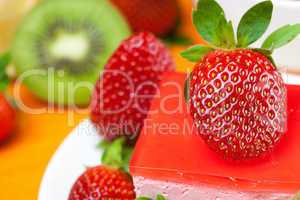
{"x": 77, "y": 152}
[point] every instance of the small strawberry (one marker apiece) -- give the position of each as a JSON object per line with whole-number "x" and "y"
{"x": 102, "y": 183}
{"x": 123, "y": 94}
{"x": 237, "y": 97}
{"x": 156, "y": 16}
{"x": 111, "y": 180}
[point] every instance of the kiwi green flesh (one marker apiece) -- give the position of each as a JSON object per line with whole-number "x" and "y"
{"x": 71, "y": 40}
{"x": 74, "y": 49}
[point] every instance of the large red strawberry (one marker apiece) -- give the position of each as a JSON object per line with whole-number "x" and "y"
{"x": 123, "y": 94}
{"x": 102, "y": 183}
{"x": 237, "y": 97}
{"x": 157, "y": 16}
{"x": 238, "y": 102}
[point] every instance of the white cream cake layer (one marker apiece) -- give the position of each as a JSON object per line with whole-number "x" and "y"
{"x": 179, "y": 191}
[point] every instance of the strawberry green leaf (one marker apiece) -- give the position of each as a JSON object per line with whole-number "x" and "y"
{"x": 281, "y": 37}
{"x": 103, "y": 144}
{"x": 116, "y": 154}
{"x": 196, "y": 53}
{"x": 187, "y": 89}
{"x": 160, "y": 197}
{"x": 266, "y": 52}
{"x": 272, "y": 60}
{"x": 127, "y": 153}
{"x": 112, "y": 155}
{"x": 226, "y": 34}
{"x": 175, "y": 39}
{"x": 207, "y": 18}
{"x": 254, "y": 23}
{"x": 4, "y": 82}
{"x": 5, "y": 59}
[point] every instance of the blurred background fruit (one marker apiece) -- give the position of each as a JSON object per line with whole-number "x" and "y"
{"x": 61, "y": 47}
{"x": 7, "y": 112}
{"x": 157, "y": 16}
{"x": 11, "y": 14}
{"x": 143, "y": 58}
{"x": 7, "y": 118}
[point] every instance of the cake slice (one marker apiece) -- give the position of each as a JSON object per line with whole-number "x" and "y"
{"x": 171, "y": 158}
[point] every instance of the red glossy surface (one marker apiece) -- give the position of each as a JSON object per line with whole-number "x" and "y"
{"x": 168, "y": 150}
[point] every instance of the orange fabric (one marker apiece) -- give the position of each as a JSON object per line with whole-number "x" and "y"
{"x": 24, "y": 157}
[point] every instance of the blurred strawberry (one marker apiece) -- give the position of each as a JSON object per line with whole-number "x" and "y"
{"x": 157, "y": 16}
{"x": 7, "y": 118}
{"x": 123, "y": 95}
{"x": 7, "y": 112}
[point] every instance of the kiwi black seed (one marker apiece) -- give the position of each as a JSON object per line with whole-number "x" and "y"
{"x": 74, "y": 39}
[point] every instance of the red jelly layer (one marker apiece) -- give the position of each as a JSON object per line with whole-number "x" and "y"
{"x": 170, "y": 149}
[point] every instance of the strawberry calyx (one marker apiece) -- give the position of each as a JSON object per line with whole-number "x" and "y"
{"x": 5, "y": 60}
{"x": 158, "y": 197}
{"x": 211, "y": 23}
{"x": 116, "y": 153}
{"x": 177, "y": 39}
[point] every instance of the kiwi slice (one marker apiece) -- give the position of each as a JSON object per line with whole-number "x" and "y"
{"x": 62, "y": 46}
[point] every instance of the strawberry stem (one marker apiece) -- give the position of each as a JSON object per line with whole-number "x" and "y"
{"x": 116, "y": 154}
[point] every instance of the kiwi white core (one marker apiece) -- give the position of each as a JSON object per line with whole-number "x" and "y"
{"x": 71, "y": 46}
